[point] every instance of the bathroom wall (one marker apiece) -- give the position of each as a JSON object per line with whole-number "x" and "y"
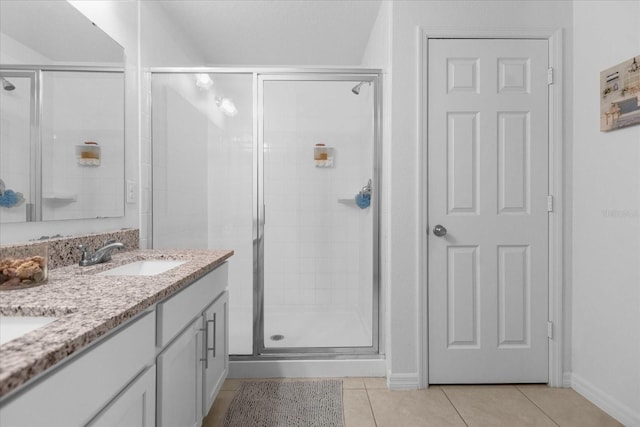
{"x": 378, "y": 55}
{"x": 606, "y": 218}
{"x": 405, "y": 236}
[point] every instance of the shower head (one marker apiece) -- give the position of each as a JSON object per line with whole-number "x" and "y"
{"x": 7, "y": 85}
{"x": 356, "y": 88}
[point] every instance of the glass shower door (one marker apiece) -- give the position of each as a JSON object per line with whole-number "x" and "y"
{"x": 319, "y": 213}
{"x": 203, "y": 178}
{"x": 19, "y": 155}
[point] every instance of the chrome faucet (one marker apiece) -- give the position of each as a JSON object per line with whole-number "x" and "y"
{"x": 100, "y": 255}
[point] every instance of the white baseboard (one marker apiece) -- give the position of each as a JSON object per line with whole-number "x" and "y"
{"x": 624, "y": 414}
{"x": 566, "y": 380}
{"x": 402, "y": 381}
{"x": 307, "y": 368}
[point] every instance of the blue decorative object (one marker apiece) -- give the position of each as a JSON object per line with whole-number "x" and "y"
{"x": 9, "y": 198}
{"x": 363, "y": 200}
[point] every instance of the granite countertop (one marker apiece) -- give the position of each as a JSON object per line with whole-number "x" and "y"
{"x": 88, "y": 306}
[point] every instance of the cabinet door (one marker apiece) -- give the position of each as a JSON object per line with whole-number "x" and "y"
{"x": 134, "y": 407}
{"x": 179, "y": 399}
{"x": 216, "y": 349}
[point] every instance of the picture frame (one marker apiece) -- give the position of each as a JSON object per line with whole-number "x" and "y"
{"x": 620, "y": 95}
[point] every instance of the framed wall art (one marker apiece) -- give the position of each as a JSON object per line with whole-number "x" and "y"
{"x": 620, "y": 95}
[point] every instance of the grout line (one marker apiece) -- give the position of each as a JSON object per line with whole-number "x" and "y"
{"x": 454, "y": 406}
{"x": 534, "y": 404}
{"x": 373, "y": 414}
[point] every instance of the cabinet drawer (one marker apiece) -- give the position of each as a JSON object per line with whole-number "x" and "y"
{"x": 179, "y": 310}
{"x": 73, "y": 393}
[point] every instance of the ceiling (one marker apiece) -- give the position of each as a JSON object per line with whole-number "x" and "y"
{"x": 276, "y": 32}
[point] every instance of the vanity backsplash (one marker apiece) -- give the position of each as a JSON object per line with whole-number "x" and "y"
{"x": 63, "y": 251}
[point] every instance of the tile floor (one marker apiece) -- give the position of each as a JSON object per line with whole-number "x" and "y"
{"x": 368, "y": 403}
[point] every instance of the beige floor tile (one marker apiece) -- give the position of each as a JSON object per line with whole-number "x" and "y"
{"x": 216, "y": 414}
{"x": 231, "y": 384}
{"x": 375, "y": 383}
{"x": 495, "y": 406}
{"x": 413, "y": 408}
{"x": 568, "y": 408}
{"x": 357, "y": 410}
{"x": 352, "y": 383}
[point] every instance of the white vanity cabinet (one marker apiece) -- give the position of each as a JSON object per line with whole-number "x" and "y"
{"x": 193, "y": 353}
{"x": 75, "y": 393}
{"x": 162, "y": 368}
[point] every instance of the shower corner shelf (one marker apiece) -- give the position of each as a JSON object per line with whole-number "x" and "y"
{"x": 61, "y": 198}
{"x": 348, "y": 202}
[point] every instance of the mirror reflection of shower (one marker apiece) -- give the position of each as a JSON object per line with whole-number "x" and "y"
{"x": 356, "y": 88}
{"x": 7, "y": 85}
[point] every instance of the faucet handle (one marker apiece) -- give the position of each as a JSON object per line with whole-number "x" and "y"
{"x": 108, "y": 242}
{"x": 85, "y": 252}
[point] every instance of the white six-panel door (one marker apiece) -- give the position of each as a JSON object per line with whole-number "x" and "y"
{"x": 488, "y": 187}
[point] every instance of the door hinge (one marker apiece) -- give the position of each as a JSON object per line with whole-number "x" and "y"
{"x": 549, "y": 203}
{"x": 550, "y": 330}
{"x": 550, "y": 75}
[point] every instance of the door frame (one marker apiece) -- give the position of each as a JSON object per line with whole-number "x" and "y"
{"x": 260, "y": 350}
{"x": 556, "y": 174}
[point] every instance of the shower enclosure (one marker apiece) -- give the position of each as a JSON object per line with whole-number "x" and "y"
{"x": 282, "y": 167}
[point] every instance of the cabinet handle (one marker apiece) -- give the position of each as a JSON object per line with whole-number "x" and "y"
{"x": 205, "y": 345}
{"x": 213, "y": 349}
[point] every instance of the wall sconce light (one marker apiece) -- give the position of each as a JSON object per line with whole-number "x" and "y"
{"x": 227, "y": 106}
{"x": 203, "y": 81}
{"x": 634, "y": 66}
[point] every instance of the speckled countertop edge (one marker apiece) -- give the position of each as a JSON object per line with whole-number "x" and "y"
{"x": 88, "y": 306}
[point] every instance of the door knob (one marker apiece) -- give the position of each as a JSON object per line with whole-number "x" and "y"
{"x": 439, "y": 230}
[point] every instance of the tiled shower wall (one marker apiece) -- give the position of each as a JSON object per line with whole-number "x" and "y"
{"x": 69, "y": 189}
{"x": 318, "y": 243}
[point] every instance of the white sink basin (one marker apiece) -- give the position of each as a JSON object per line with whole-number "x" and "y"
{"x": 143, "y": 268}
{"x": 12, "y": 327}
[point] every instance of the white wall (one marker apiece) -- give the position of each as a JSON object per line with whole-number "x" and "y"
{"x": 378, "y": 55}
{"x": 161, "y": 44}
{"x": 606, "y": 218}
{"x": 405, "y": 233}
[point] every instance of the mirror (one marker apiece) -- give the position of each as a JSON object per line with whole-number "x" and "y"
{"x": 62, "y": 115}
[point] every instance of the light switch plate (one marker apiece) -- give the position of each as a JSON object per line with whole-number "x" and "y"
{"x": 131, "y": 192}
